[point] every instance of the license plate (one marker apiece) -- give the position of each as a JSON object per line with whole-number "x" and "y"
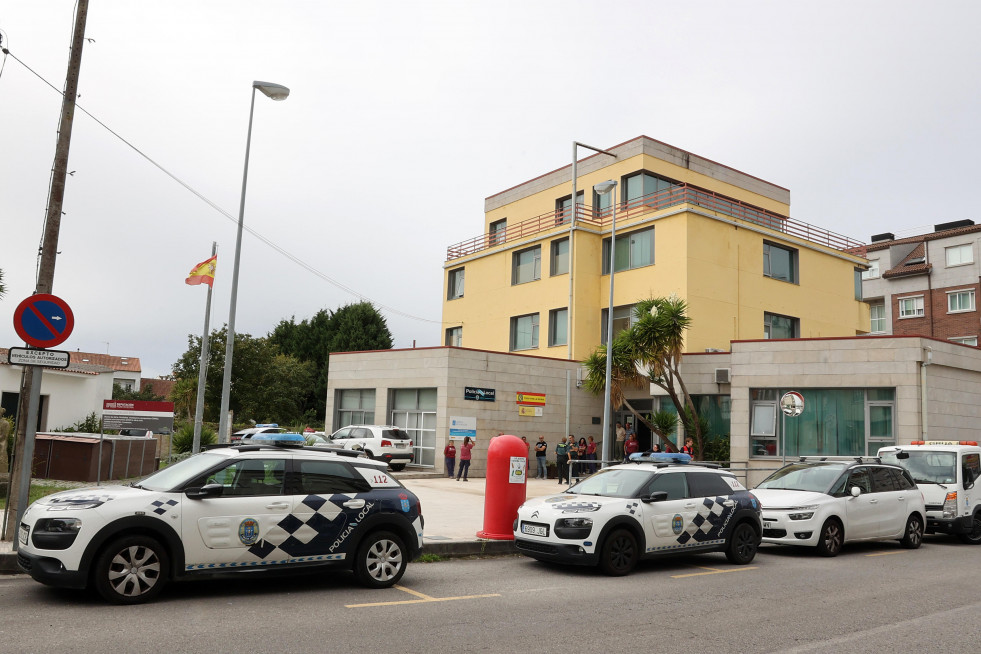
{"x": 768, "y": 525}
{"x": 22, "y": 537}
{"x": 534, "y": 530}
{"x": 401, "y": 445}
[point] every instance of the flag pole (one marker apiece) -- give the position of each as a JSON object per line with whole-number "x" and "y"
{"x": 203, "y": 367}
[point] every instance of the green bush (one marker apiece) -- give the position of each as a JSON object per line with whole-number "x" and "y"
{"x": 184, "y": 438}
{"x": 90, "y": 424}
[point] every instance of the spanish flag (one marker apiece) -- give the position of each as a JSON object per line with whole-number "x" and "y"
{"x": 203, "y": 273}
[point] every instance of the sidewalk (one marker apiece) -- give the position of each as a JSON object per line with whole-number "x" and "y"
{"x": 453, "y": 511}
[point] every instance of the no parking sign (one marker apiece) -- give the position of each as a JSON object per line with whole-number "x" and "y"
{"x": 44, "y": 320}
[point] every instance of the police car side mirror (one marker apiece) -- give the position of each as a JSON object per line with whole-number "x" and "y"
{"x": 856, "y": 491}
{"x": 656, "y": 496}
{"x": 201, "y": 492}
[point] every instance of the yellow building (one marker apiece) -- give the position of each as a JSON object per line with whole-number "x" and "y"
{"x": 720, "y": 239}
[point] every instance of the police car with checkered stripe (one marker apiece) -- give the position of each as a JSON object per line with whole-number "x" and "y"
{"x": 654, "y": 506}
{"x": 267, "y": 505}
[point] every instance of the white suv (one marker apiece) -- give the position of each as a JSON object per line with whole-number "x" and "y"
{"x": 826, "y": 502}
{"x": 639, "y": 510}
{"x": 380, "y": 442}
{"x": 224, "y": 511}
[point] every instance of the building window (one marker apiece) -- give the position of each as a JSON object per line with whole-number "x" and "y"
{"x": 559, "y": 257}
{"x": 777, "y": 326}
{"x": 959, "y": 255}
{"x": 526, "y": 265}
{"x": 524, "y": 332}
{"x": 911, "y": 307}
{"x": 873, "y": 271}
{"x": 965, "y": 340}
{"x": 633, "y": 250}
{"x": 563, "y": 208}
{"x": 355, "y": 406}
{"x": 643, "y": 185}
{"x": 960, "y": 301}
{"x": 858, "y": 284}
{"x": 779, "y": 263}
{"x": 877, "y": 312}
{"x": 454, "y": 286}
{"x": 623, "y": 318}
{"x": 558, "y": 326}
{"x": 835, "y": 422}
{"x": 498, "y": 230}
{"x": 454, "y": 336}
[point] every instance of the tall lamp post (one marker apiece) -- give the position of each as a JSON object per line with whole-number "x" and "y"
{"x": 603, "y": 188}
{"x": 276, "y": 92}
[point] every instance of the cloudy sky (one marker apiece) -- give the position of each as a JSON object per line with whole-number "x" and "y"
{"x": 404, "y": 116}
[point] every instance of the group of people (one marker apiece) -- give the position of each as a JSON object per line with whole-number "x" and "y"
{"x": 572, "y": 457}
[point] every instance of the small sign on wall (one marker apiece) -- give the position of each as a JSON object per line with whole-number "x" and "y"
{"x": 479, "y": 394}
{"x": 534, "y": 411}
{"x": 531, "y": 399}
{"x": 461, "y": 427}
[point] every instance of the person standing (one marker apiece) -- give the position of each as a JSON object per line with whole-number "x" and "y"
{"x": 618, "y": 444}
{"x": 688, "y": 448}
{"x": 449, "y": 456}
{"x": 577, "y": 457}
{"x": 465, "y": 459}
{"x": 541, "y": 449}
{"x": 630, "y": 446}
{"x": 591, "y": 454}
{"x": 562, "y": 460}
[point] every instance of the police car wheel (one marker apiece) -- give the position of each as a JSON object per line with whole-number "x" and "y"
{"x": 619, "y": 553}
{"x": 742, "y": 544}
{"x": 913, "y": 536}
{"x": 973, "y": 537}
{"x": 380, "y": 562}
{"x": 131, "y": 570}
{"x": 830, "y": 538}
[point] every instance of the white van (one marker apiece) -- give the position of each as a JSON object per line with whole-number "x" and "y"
{"x": 946, "y": 472}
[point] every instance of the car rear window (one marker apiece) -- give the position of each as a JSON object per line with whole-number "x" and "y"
{"x": 397, "y": 434}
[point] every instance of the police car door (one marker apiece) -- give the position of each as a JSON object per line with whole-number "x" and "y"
{"x": 667, "y": 519}
{"x": 241, "y": 526}
{"x": 714, "y": 507}
{"x": 333, "y": 499}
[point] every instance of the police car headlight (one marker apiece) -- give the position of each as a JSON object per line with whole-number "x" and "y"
{"x": 582, "y": 509}
{"x": 58, "y": 525}
{"x": 72, "y": 506}
{"x": 575, "y": 523}
{"x": 802, "y": 512}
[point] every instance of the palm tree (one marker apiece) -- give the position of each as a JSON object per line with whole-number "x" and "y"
{"x": 3, "y": 289}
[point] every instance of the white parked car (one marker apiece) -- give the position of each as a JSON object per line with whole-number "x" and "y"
{"x": 380, "y": 442}
{"x": 826, "y": 502}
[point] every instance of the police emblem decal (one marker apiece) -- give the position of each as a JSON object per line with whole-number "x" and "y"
{"x": 248, "y": 531}
{"x": 677, "y": 524}
{"x": 405, "y": 502}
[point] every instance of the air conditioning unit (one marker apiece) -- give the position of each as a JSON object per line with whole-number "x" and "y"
{"x": 723, "y": 375}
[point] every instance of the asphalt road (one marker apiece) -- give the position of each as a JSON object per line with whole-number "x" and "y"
{"x": 871, "y": 598}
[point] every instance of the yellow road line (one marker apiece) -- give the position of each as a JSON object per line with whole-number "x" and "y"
{"x": 424, "y": 599}
{"x": 713, "y": 571}
{"x": 884, "y": 553}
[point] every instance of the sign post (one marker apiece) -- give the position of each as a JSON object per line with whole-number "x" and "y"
{"x": 792, "y": 405}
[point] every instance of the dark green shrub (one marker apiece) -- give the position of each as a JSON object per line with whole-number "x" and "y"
{"x": 184, "y": 438}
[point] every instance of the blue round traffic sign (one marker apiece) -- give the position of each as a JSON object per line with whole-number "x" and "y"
{"x": 44, "y": 320}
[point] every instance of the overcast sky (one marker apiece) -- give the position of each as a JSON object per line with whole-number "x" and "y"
{"x": 404, "y": 116}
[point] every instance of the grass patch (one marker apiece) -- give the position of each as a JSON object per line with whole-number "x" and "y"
{"x": 37, "y": 491}
{"x": 429, "y": 558}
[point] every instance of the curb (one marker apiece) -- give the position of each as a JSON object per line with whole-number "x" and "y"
{"x": 8, "y": 564}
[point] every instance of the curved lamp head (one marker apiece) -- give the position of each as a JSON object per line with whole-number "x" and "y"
{"x": 605, "y": 187}
{"x": 270, "y": 90}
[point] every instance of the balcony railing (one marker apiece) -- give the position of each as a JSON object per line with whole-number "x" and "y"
{"x": 678, "y": 194}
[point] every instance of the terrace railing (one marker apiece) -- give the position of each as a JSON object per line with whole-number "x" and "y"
{"x": 677, "y": 194}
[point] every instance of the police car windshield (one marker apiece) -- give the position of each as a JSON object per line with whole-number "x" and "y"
{"x": 814, "y": 477}
{"x": 926, "y": 467}
{"x": 613, "y": 482}
{"x": 180, "y": 473}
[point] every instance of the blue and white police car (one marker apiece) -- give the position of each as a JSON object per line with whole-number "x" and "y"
{"x": 266, "y": 505}
{"x": 653, "y": 506}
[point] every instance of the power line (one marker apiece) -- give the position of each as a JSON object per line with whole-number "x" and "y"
{"x": 302, "y": 264}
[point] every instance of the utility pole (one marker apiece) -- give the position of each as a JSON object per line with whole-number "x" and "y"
{"x": 30, "y": 391}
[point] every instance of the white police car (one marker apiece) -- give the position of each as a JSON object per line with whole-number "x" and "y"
{"x": 642, "y": 509}
{"x": 257, "y": 506}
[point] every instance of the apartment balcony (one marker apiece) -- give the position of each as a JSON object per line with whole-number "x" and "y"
{"x": 676, "y": 195}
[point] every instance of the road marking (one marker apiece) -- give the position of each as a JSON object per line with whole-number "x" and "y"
{"x": 885, "y": 553}
{"x": 423, "y": 599}
{"x": 712, "y": 571}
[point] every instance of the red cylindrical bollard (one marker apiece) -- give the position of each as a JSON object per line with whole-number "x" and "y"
{"x": 506, "y": 486}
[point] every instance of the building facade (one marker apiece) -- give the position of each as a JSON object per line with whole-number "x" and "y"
{"x": 925, "y": 285}
{"x": 537, "y": 280}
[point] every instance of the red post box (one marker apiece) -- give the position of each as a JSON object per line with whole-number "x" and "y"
{"x": 506, "y": 486}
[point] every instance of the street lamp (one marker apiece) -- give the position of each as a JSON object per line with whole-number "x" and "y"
{"x": 276, "y": 92}
{"x": 603, "y": 188}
